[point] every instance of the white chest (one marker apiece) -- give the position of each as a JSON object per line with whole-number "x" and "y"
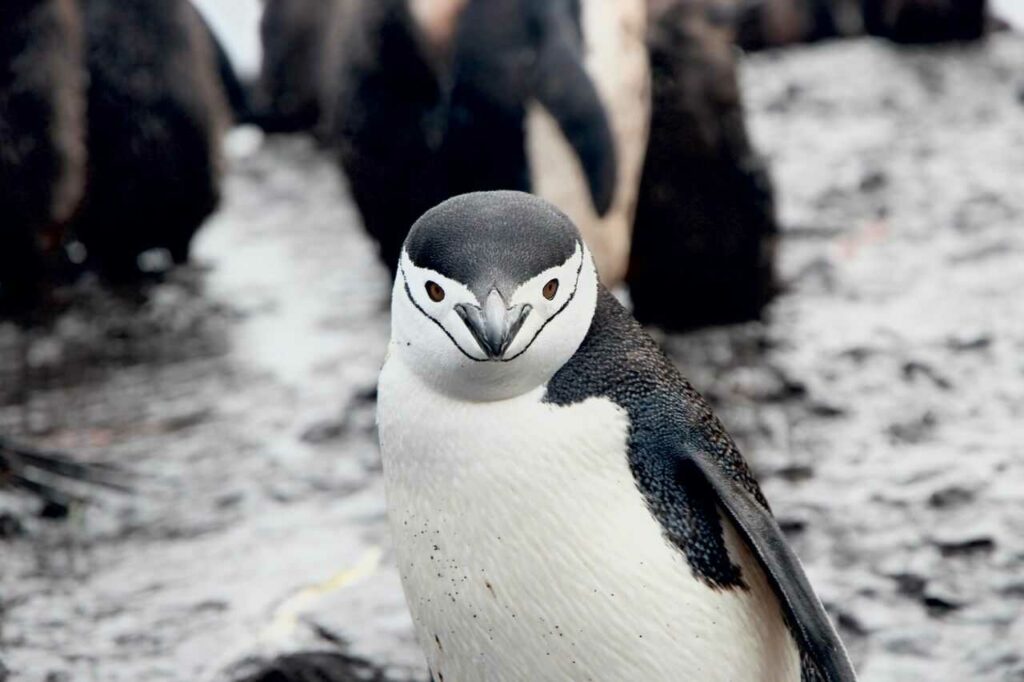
{"x": 527, "y": 553}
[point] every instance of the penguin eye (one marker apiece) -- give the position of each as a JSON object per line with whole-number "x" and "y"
{"x": 550, "y": 289}
{"x": 435, "y": 292}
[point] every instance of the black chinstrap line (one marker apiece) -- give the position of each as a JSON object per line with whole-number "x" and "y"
{"x": 572, "y": 295}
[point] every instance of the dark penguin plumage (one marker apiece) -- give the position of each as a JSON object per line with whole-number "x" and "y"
{"x": 773, "y": 23}
{"x": 687, "y": 468}
{"x": 508, "y": 53}
{"x": 925, "y": 21}
{"x": 389, "y": 123}
{"x": 704, "y": 233}
{"x": 42, "y": 141}
{"x": 294, "y": 34}
{"x": 417, "y": 122}
{"x": 683, "y": 463}
{"x": 157, "y": 112}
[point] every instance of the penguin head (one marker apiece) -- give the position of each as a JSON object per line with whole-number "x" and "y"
{"x": 495, "y": 291}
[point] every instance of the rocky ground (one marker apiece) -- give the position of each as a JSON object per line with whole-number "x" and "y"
{"x": 881, "y": 401}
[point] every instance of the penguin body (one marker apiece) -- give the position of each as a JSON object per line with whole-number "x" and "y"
{"x": 157, "y": 114}
{"x": 434, "y": 98}
{"x": 617, "y": 61}
{"x": 42, "y": 141}
{"x": 564, "y": 505}
{"x": 705, "y": 219}
{"x": 299, "y": 39}
{"x": 925, "y": 21}
{"x": 388, "y": 122}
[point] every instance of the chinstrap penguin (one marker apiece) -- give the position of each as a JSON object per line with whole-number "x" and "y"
{"x": 564, "y": 505}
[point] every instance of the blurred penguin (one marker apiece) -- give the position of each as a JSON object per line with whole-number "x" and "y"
{"x": 156, "y": 113}
{"x": 389, "y": 122}
{"x": 434, "y": 100}
{"x": 300, "y": 43}
{"x": 575, "y": 128}
{"x": 42, "y": 143}
{"x": 925, "y": 21}
{"x": 704, "y": 236}
{"x": 774, "y": 23}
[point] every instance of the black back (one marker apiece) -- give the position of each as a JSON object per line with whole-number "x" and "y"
{"x": 389, "y": 123}
{"x": 686, "y": 466}
{"x": 923, "y": 21}
{"x": 704, "y": 232}
{"x": 156, "y": 114}
{"x": 293, "y": 35}
{"x": 414, "y": 127}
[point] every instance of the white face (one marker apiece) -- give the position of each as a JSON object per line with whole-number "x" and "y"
{"x": 433, "y": 319}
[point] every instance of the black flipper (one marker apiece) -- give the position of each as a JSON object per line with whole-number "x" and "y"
{"x": 506, "y": 54}
{"x": 808, "y": 621}
{"x": 565, "y": 89}
{"x": 687, "y": 468}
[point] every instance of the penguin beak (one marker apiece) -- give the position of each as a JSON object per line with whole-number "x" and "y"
{"x": 495, "y": 325}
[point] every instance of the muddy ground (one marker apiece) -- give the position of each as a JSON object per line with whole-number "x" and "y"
{"x": 881, "y": 401}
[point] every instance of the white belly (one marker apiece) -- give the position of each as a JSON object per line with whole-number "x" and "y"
{"x": 527, "y": 553}
{"x": 617, "y": 62}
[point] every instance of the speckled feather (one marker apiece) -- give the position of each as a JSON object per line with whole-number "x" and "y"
{"x": 671, "y": 426}
{"x": 619, "y": 361}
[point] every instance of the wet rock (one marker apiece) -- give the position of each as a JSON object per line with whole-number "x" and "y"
{"x": 939, "y": 606}
{"x": 952, "y": 496}
{"x": 825, "y": 410}
{"x": 325, "y": 431}
{"x": 968, "y": 344}
{"x": 54, "y": 510}
{"x": 967, "y": 547}
{"x": 910, "y": 585}
{"x": 914, "y": 369}
{"x": 11, "y": 527}
{"x": 873, "y": 181}
{"x": 792, "y": 527}
{"x": 796, "y": 472}
{"x": 848, "y": 623}
{"x": 913, "y": 431}
{"x": 315, "y": 667}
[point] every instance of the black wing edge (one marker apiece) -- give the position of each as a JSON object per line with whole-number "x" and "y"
{"x": 808, "y": 620}
{"x": 567, "y": 92}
